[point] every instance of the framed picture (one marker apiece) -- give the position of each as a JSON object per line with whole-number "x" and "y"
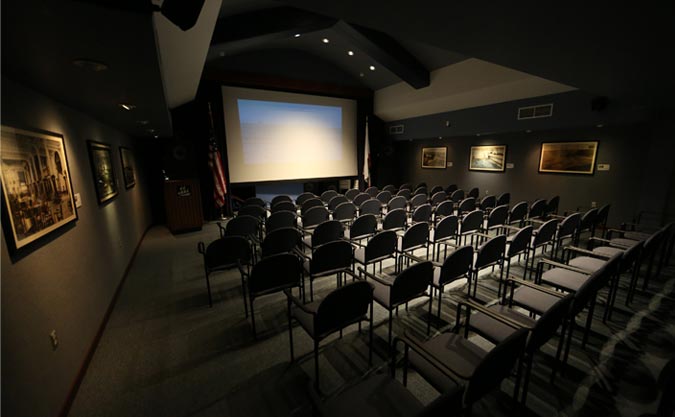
{"x": 434, "y": 157}
{"x": 568, "y": 157}
{"x": 105, "y": 182}
{"x": 36, "y": 187}
{"x": 487, "y": 158}
{"x": 127, "y": 167}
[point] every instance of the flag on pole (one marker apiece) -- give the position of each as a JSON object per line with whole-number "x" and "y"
{"x": 216, "y": 165}
{"x": 366, "y": 159}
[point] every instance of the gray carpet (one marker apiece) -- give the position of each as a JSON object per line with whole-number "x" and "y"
{"x": 164, "y": 352}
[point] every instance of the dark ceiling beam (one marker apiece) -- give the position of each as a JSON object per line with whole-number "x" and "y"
{"x": 255, "y": 28}
{"x": 387, "y": 51}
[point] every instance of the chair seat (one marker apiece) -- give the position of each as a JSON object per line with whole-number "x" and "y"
{"x": 534, "y": 300}
{"x": 497, "y": 331}
{"x": 607, "y": 250}
{"x": 636, "y": 235}
{"x": 623, "y": 242}
{"x": 587, "y": 263}
{"x": 381, "y": 292}
{"x": 306, "y": 319}
{"x": 564, "y": 278}
{"x": 453, "y": 350}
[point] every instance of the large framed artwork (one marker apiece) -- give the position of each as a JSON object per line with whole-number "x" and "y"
{"x": 36, "y": 186}
{"x": 127, "y": 167}
{"x": 434, "y": 157}
{"x": 487, "y": 158}
{"x": 105, "y": 182}
{"x": 568, "y": 157}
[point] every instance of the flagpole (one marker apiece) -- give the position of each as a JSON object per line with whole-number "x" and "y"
{"x": 212, "y": 140}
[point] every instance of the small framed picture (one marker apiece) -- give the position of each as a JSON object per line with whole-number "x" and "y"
{"x": 434, "y": 157}
{"x": 488, "y": 158}
{"x": 128, "y": 173}
{"x": 100, "y": 155}
{"x": 568, "y": 157}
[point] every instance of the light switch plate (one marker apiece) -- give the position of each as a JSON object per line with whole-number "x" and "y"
{"x": 509, "y": 165}
{"x": 78, "y": 200}
{"x": 449, "y": 164}
{"x": 603, "y": 167}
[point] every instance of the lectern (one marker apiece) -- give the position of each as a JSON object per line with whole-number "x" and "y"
{"x": 183, "y": 203}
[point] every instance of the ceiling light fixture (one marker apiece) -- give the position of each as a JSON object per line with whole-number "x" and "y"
{"x": 297, "y": 35}
{"x": 127, "y": 106}
{"x": 350, "y": 53}
{"x": 325, "y": 40}
{"x": 600, "y": 125}
{"x": 361, "y": 74}
{"x": 90, "y": 65}
{"x": 143, "y": 122}
{"x": 372, "y": 67}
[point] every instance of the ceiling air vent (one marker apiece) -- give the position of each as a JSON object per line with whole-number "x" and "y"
{"x": 535, "y": 112}
{"x": 396, "y": 130}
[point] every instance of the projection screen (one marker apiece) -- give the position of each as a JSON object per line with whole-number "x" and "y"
{"x": 274, "y": 136}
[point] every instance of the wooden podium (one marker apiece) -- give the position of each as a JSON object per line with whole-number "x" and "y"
{"x": 183, "y": 203}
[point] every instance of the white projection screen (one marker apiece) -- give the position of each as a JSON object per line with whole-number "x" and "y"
{"x": 275, "y": 136}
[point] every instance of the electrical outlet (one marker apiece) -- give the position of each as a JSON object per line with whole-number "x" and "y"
{"x": 449, "y": 164}
{"x": 54, "y": 339}
{"x": 594, "y": 204}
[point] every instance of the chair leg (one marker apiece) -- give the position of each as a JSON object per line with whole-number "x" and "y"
{"x": 370, "y": 336}
{"x": 255, "y": 336}
{"x": 526, "y": 381}
{"x": 316, "y": 364}
{"x": 589, "y": 321}
{"x": 431, "y": 302}
{"x": 561, "y": 342}
{"x": 567, "y": 345}
{"x": 389, "y": 335}
{"x": 290, "y": 330}
{"x": 244, "y": 294}
{"x": 311, "y": 289}
{"x": 440, "y": 296}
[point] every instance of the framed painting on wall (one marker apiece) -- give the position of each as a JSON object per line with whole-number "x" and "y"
{"x": 127, "y": 167}
{"x": 568, "y": 157}
{"x": 36, "y": 186}
{"x": 487, "y": 158}
{"x": 434, "y": 157}
{"x": 105, "y": 182}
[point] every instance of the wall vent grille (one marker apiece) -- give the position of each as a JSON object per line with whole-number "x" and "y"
{"x": 396, "y": 130}
{"x": 535, "y": 112}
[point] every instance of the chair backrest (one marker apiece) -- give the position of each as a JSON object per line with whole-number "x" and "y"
{"x": 520, "y": 241}
{"x": 406, "y": 186}
{"x": 552, "y": 205}
{"x": 466, "y": 205}
{"x": 490, "y": 252}
{"x": 360, "y": 198}
{"x": 331, "y": 257}
{"x": 405, "y": 193}
{"x": 446, "y": 228}
{"x": 451, "y": 188}
{"x": 456, "y": 265}
{"x": 472, "y": 221}
{"x": 226, "y": 251}
{"x": 372, "y": 191}
{"x": 314, "y": 216}
{"x": 537, "y": 209}
{"x": 545, "y": 233}
{"x": 457, "y": 195}
{"x": 436, "y": 189}
{"x": 304, "y": 197}
{"x": 254, "y": 201}
{"x": 630, "y": 257}
{"x": 498, "y": 216}
{"x": 327, "y": 195}
{"x": 603, "y": 213}
{"x": 420, "y": 190}
{"x": 383, "y": 197}
{"x": 279, "y": 199}
{"x": 310, "y": 203}
{"x": 422, "y": 214}
{"x": 371, "y": 206}
{"x": 281, "y": 240}
{"x": 588, "y": 219}
{"x": 381, "y": 245}
{"x": 417, "y": 235}
{"x": 275, "y": 273}
{"x": 390, "y": 188}
{"x": 336, "y": 201}
{"x": 252, "y": 210}
{"x": 504, "y": 198}
{"x": 344, "y": 211}
{"x": 569, "y": 225}
{"x": 351, "y": 193}
{"x": 397, "y": 202}
{"x": 365, "y": 225}
{"x": 518, "y": 212}
{"x": 495, "y": 366}
{"x": 395, "y": 220}
{"x": 548, "y": 323}
{"x": 343, "y": 306}
{"x": 283, "y": 206}
{"x": 420, "y": 185}
{"x": 474, "y": 192}
{"x": 328, "y": 231}
{"x": 445, "y": 208}
{"x": 243, "y": 225}
{"x": 438, "y": 197}
{"x": 411, "y": 282}
{"x": 280, "y": 219}
{"x": 417, "y": 200}
{"x": 488, "y": 202}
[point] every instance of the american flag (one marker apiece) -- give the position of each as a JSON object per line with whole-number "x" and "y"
{"x": 219, "y": 183}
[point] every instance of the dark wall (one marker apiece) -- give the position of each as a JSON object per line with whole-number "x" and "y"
{"x": 67, "y": 282}
{"x": 618, "y": 147}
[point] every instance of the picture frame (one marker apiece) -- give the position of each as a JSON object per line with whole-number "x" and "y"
{"x": 434, "y": 157}
{"x": 37, "y": 190}
{"x": 128, "y": 167}
{"x": 487, "y": 158}
{"x": 568, "y": 157}
{"x": 103, "y": 170}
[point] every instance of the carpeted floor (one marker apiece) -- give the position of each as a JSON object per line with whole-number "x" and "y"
{"x": 164, "y": 352}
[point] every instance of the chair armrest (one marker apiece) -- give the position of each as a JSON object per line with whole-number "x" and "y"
{"x": 535, "y": 220}
{"x": 510, "y": 226}
{"x": 447, "y": 243}
{"x": 297, "y": 302}
{"x": 585, "y": 252}
{"x": 241, "y": 269}
{"x": 200, "y": 248}
{"x": 563, "y": 266}
{"x": 599, "y": 239}
{"x": 412, "y": 257}
{"x": 416, "y": 345}
{"x": 376, "y": 278}
{"x": 221, "y": 229}
{"x": 496, "y": 316}
{"x": 302, "y": 254}
{"x": 483, "y": 234}
{"x": 356, "y": 243}
{"x": 535, "y": 286}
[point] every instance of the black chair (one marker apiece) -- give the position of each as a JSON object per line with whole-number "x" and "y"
{"x": 310, "y": 203}
{"x": 360, "y": 198}
{"x": 279, "y": 199}
{"x": 280, "y": 219}
{"x": 405, "y": 193}
{"x": 488, "y": 202}
{"x": 437, "y": 189}
{"x": 326, "y": 196}
{"x": 246, "y": 226}
{"x": 416, "y": 237}
{"x": 253, "y": 210}
{"x": 283, "y": 206}
{"x": 328, "y": 231}
{"x": 422, "y": 214}
{"x": 313, "y": 217}
{"x": 456, "y": 266}
{"x": 451, "y": 188}
{"x": 466, "y": 206}
{"x": 407, "y": 285}
{"x": 332, "y": 258}
{"x": 470, "y": 225}
{"x": 390, "y": 187}
{"x": 437, "y": 198}
{"x": 416, "y": 201}
{"x": 601, "y": 219}
{"x": 383, "y": 197}
{"x": 371, "y": 206}
{"x": 443, "y": 209}
{"x": 517, "y": 245}
{"x": 457, "y": 195}
{"x": 282, "y": 240}
{"x": 351, "y": 193}
{"x": 537, "y": 211}
{"x": 586, "y": 224}
{"x": 254, "y": 201}
{"x": 474, "y": 193}
{"x": 380, "y": 247}
{"x": 270, "y": 275}
{"x": 444, "y": 232}
{"x": 396, "y": 219}
{"x": 363, "y": 227}
{"x": 345, "y": 212}
{"x": 504, "y": 199}
{"x": 541, "y": 238}
{"x": 552, "y": 206}
{"x": 496, "y": 220}
{"x": 336, "y": 201}
{"x": 517, "y": 214}
{"x": 420, "y": 191}
{"x": 489, "y": 254}
{"x": 223, "y": 254}
{"x": 372, "y": 191}
{"x": 342, "y": 307}
{"x": 304, "y": 197}
{"x": 567, "y": 229}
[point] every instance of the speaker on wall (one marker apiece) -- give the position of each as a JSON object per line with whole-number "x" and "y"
{"x": 182, "y": 13}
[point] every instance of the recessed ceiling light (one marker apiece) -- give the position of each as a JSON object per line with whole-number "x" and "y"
{"x": 297, "y": 35}
{"x": 361, "y": 74}
{"x": 372, "y": 67}
{"x": 325, "y": 40}
{"x": 528, "y": 131}
{"x": 156, "y": 136}
{"x": 142, "y": 122}
{"x": 222, "y": 53}
{"x": 90, "y": 65}
{"x": 350, "y": 53}
{"x": 127, "y": 106}
{"x": 600, "y": 125}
